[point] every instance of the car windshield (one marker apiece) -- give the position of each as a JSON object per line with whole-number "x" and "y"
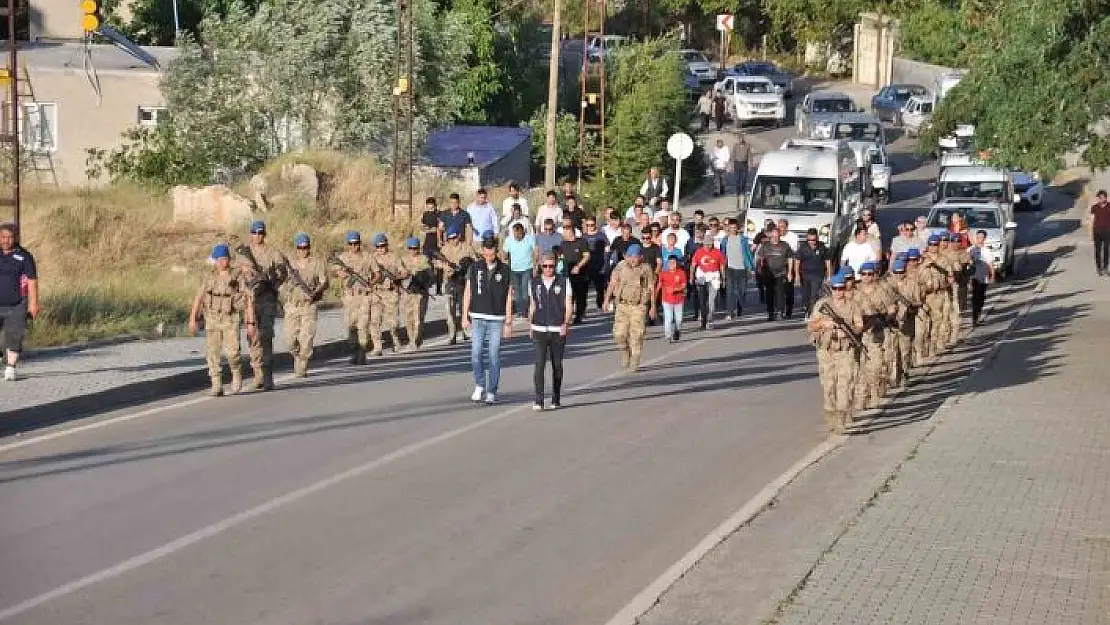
{"x": 761, "y": 70}
{"x": 794, "y": 194}
{"x": 992, "y": 190}
{"x": 830, "y": 105}
{"x": 859, "y": 131}
{"x": 976, "y": 218}
{"x": 902, "y": 94}
{"x": 753, "y": 87}
{"x": 926, "y": 107}
{"x": 876, "y": 157}
{"x": 694, "y": 57}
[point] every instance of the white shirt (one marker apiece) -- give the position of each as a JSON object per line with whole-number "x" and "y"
{"x": 665, "y": 189}
{"x": 522, "y": 221}
{"x": 855, "y": 254}
{"x": 507, "y": 208}
{"x": 661, "y": 217}
{"x": 630, "y": 214}
{"x": 547, "y": 211}
{"x": 983, "y": 258}
{"x": 681, "y": 235}
{"x": 483, "y": 217}
{"x": 722, "y": 158}
{"x": 791, "y": 239}
{"x": 721, "y": 234}
{"x": 611, "y": 233}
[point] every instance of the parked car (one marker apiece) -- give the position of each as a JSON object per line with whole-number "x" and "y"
{"x": 752, "y": 98}
{"x": 916, "y": 115}
{"x": 1030, "y": 188}
{"x": 596, "y": 43}
{"x": 980, "y": 214}
{"x": 699, "y": 65}
{"x": 818, "y": 109}
{"x": 888, "y": 103}
{"x": 780, "y": 78}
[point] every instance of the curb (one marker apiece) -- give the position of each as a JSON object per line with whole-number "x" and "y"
{"x": 16, "y": 422}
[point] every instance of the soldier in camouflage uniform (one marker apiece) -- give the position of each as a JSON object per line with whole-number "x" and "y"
{"x": 837, "y": 360}
{"x": 265, "y": 281}
{"x": 300, "y": 296}
{"x": 938, "y": 297}
{"x": 457, "y": 253}
{"x": 223, "y": 299}
{"x": 905, "y": 318}
{"x": 387, "y": 295}
{"x": 632, "y": 284}
{"x": 959, "y": 260}
{"x": 877, "y": 307}
{"x": 356, "y": 296}
{"x": 925, "y": 281}
{"x": 415, "y": 269}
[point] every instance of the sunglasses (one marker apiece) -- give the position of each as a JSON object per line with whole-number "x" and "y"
{"x": 547, "y": 266}
{"x": 302, "y": 247}
{"x": 354, "y": 243}
{"x": 867, "y": 273}
{"x": 838, "y": 288}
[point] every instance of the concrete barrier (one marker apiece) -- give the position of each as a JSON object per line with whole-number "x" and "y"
{"x": 917, "y": 73}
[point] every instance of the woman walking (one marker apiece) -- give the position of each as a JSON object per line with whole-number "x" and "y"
{"x": 549, "y": 312}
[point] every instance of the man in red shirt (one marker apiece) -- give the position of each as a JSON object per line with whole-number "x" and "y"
{"x": 707, "y": 266}
{"x": 1100, "y": 229}
{"x": 672, "y": 292}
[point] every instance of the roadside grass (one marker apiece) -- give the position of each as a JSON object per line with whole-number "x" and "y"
{"x": 112, "y": 262}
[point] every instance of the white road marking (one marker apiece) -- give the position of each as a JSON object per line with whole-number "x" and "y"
{"x": 648, "y": 597}
{"x": 291, "y": 497}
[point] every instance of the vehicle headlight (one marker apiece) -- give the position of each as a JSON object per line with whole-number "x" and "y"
{"x": 749, "y": 227}
{"x": 994, "y": 245}
{"x": 779, "y": 89}
{"x": 1036, "y": 176}
{"x": 822, "y": 129}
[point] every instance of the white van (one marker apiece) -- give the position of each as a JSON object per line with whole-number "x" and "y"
{"x": 943, "y": 83}
{"x": 973, "y": 180}
{"x": 812, "y": 184}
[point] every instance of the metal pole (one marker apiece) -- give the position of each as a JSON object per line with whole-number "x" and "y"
{"x": 582, "y": 92}
{"x": 176, "y": 23}
{"x": 552, "y": 97}
{"x": 677, "y": 183}
{"x": 13, "y": 76}
{"x": 722, "y": 49}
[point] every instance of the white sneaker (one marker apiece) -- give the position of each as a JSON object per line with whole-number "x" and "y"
{"x": 537, "y": 406}
{"x": 477, "y": 394}
{"x": 9, "y": 373}
{"x": 491, "y": 398}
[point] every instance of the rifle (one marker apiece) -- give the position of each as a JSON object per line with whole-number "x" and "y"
{"x": 260, "y": 278}
{"x": 299, "y": 282}
{"x": 458, "y": 270}
{"x": 410, "y": 288}
{"x": 352, "y": 275}
{"x": 843, "y": 326}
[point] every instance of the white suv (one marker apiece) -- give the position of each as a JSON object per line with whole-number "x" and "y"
{"x": 753, "y": 98}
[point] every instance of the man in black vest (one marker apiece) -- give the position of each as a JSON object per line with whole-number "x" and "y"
{"x": 549, "y": 312}
{"x": 488, "y": 313}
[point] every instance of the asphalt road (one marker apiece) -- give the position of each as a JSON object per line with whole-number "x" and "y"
{"x": 380, "y": 495}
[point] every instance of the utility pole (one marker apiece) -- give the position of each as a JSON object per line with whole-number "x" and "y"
{"x": 553, "y": 96}
{"x": 10, "y": 131}
{"x": 402, "y": 112}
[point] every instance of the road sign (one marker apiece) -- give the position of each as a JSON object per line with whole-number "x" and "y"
{"x": 725, "y": 22}
{"x": 680, "y": 146}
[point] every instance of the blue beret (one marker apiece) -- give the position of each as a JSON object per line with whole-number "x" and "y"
{"x": 413, "y": 242}
{"x": 934, "y": 239}
{"x": 633, "y": 250}
{"x": 847, "y": 271}
{"x": 898, "y": 266}
{"x": 944, "y": 236}
{"x": 868, "y": 266}
{"x": 301, "y": 239}
{"x": 380, "y": 239}
{"x": 452, "y": 232}
{"x": 258, "y": 227}
{"x": 913, "y": 253}
{"x": 221, "y": 251}
{"x": 488, "y": 234}
{"x": 353, "y": 236}
{"x": 838, "y": 279}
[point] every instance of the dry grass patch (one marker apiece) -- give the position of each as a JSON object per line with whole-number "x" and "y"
{"x": 112, "y": 262}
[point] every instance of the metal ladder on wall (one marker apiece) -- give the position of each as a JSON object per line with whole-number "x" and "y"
{"x": 39, "y": 161}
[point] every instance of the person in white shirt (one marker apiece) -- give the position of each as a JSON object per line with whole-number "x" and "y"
{"x": 722, "y": 161}
{"x": 517, "y": 217}
{"x": 859, "y": 251}
{"x": 632, "y": 215}
{"x": 663, "y": 215}
{"x": 507, "y": 206}
{"x": 483, "y": 216}
{"x": 612, "y": 228}
{"x": 786, "y": 236}
{"x": 983, "y": 266}
{"x": 551, "y": 210}
{"x": 874, "y": 234}
{"x": 655, "y": 187}
{"x": 675, "y": 227}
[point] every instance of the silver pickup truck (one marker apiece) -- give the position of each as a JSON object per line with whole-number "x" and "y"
{"x": 815, "y": 115}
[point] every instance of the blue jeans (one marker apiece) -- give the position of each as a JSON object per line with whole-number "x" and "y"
{"x": 481, "y": 331}
{"x": 521, "y": 280}
{"x": 672, "y": 319}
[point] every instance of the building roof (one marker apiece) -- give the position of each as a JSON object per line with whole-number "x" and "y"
{"x": 450, "y": 147}
{"x": 60, "y": 56}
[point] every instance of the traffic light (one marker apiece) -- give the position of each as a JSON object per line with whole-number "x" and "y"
{"x": 90, "y": 15}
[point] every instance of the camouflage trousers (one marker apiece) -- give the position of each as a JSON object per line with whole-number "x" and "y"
{"x": 300, "y": 331}
{"x": 629, "y": 328}
{"x": 901, "y": 346}
{"x": 872, "y": 376}
{"x": 356, "y": 313}
{"x": 412, "y": 314}
{"x": 938, "y": 306}
{"x": 922, "y": 329}
{"x": 384, "y": 314}
{"x": 221, "y": 336}
{"x": 837, "y": 370}
{"x": 453, "y": 309}
{"x": 955, "y": 311}
{"x": 262, "y": 347}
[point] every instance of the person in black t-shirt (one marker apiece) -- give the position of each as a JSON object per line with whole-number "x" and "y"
{"x": 429, "y": 224}
{"x": 597, "y": 242}
{"x": 574, "y": 212}
{"x": 812, "y": 267}
{"x": 576, "y": 258}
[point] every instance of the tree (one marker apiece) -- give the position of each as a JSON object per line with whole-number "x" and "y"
{"x": 1038, "y": 84}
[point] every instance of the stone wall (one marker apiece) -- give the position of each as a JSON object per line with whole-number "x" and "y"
{"x": 917, "y": 73}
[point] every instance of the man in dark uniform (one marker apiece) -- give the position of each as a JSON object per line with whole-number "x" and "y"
{"x": 19, "y": 296}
